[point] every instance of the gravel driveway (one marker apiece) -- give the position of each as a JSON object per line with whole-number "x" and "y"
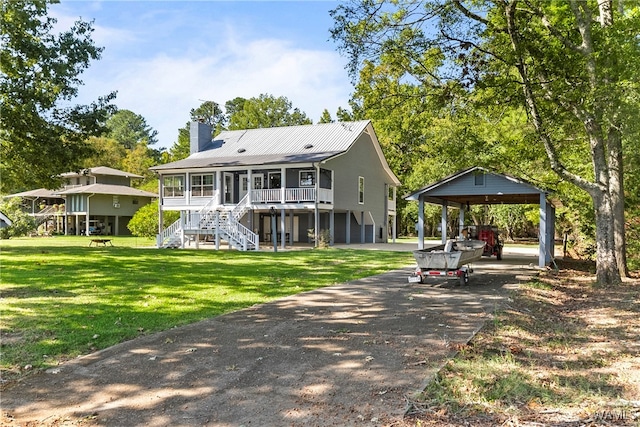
{"x": 343, "y": 355}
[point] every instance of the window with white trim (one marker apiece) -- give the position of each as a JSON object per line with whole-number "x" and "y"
{"x": 361, "y": 190}
{"x": 258, "y": 182}
{"x": 173, "y": 186}
{"x": 202, "y": 185}
{"x": 307, "y": 178}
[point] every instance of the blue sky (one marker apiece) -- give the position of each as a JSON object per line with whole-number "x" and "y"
{"x": 165, "y": 57}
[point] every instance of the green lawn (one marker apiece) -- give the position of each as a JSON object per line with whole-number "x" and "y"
{"x": 61, "y": 298}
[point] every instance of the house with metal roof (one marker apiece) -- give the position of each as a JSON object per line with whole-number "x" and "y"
{"x": 97, "y": 200}
{"x": 282, "y": 186}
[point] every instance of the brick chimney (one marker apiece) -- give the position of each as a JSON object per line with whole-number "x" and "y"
{"x": 199, "y": 136}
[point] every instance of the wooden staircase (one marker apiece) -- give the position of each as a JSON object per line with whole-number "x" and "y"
{"x": 218, "y": 221}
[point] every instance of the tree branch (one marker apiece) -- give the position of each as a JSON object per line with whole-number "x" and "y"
{"x": 466, "y": 12}
{"x": 532, "y": 106}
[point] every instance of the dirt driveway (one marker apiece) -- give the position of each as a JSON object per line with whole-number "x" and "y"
{"x": 343, "y": 355}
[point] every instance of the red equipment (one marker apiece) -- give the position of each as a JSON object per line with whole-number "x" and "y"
{"x": 493, "y": 244}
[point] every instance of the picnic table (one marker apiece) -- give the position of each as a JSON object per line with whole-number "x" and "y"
{"x": 102, "y": 242}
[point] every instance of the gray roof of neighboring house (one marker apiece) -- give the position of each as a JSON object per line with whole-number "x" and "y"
{"x": 116, "y": 190}
{"x": 288, "y": 144}
{"x": 102, "y": 170}
{"x": 38, "y": 193}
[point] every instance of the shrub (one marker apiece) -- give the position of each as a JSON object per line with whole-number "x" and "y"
{"x": 21, "y": 222}
{"x": 145, "y": 222}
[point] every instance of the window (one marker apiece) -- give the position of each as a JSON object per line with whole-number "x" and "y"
{"x": 479, "y": 180}
{"x": 173, "y": 186}
{"x": 257, "y": 182}
{"x": 307, "y": 178}
{"x": 202, "y": 185}
{"x": 361, "y": 190}
{"x": 275, "y": 180}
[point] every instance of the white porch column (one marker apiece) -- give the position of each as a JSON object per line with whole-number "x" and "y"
{"x": 220, "y": 178}
{"x": 443, "y": 221}
{"x": 187, "y": 188}
{"x": 420, "y": 222}
{"x": 249, "y": 184}
{"x": 292, "y": 232}
{"x": 542, "y": 237}
{"x": 283, "y": 228}
{"x": 283, "y": 183}
{"x": 394, "y": 232}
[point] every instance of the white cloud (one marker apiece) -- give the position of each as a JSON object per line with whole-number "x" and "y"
{"x": 163, "y": 89}
{"x": 163, "y": 83}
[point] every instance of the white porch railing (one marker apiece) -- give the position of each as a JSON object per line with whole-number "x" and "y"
{"x": 170, "y": 235}
{"x": 295, "y": 195}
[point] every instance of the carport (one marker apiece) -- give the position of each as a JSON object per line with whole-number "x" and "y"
{"x": 479, "y": 186}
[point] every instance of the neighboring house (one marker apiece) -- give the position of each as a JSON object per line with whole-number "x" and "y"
{"x": 96, "y": 200}
{"x": 310, "y": 181}
{"x": 4, "y": 221}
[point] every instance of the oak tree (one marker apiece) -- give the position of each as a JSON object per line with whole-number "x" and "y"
{"x": 42, "y": 134}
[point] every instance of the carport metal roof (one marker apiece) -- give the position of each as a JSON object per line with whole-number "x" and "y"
{"x": 479, "y": 186}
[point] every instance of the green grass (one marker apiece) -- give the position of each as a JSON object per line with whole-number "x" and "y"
{"x": 61, "y": 298}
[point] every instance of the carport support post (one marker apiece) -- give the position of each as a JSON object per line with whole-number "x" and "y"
{"x": 542, "y": 238}
{"x": 443, "y": 222}
{"x": 420, "y": 222}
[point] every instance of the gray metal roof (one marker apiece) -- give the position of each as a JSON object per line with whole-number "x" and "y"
{"x": 116, "y": 190}
{"x": 102, "y": 170}
{"x": 458, "y": 189}
{"x": 37, "y": 193}
{"x": 289, "y": 144}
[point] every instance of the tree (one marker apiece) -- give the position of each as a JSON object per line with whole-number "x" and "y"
{"x": 39, "y": 132}
{"x": 21, "y": 222}
{"x": 107, "y": 151}
{"x": 139, "y": 159}
{"x": 210, "y": 113}
{"x": 234, "y": 106}
{"x": 264, "y": 112}
{"x": 325, "y": 117}
{"x": 567, "y": 64}
{"x": 129, "y": 129}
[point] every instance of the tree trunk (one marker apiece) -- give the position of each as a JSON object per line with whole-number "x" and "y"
{"x": 606, "y": 266}
{"x": 616, "y": 190}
